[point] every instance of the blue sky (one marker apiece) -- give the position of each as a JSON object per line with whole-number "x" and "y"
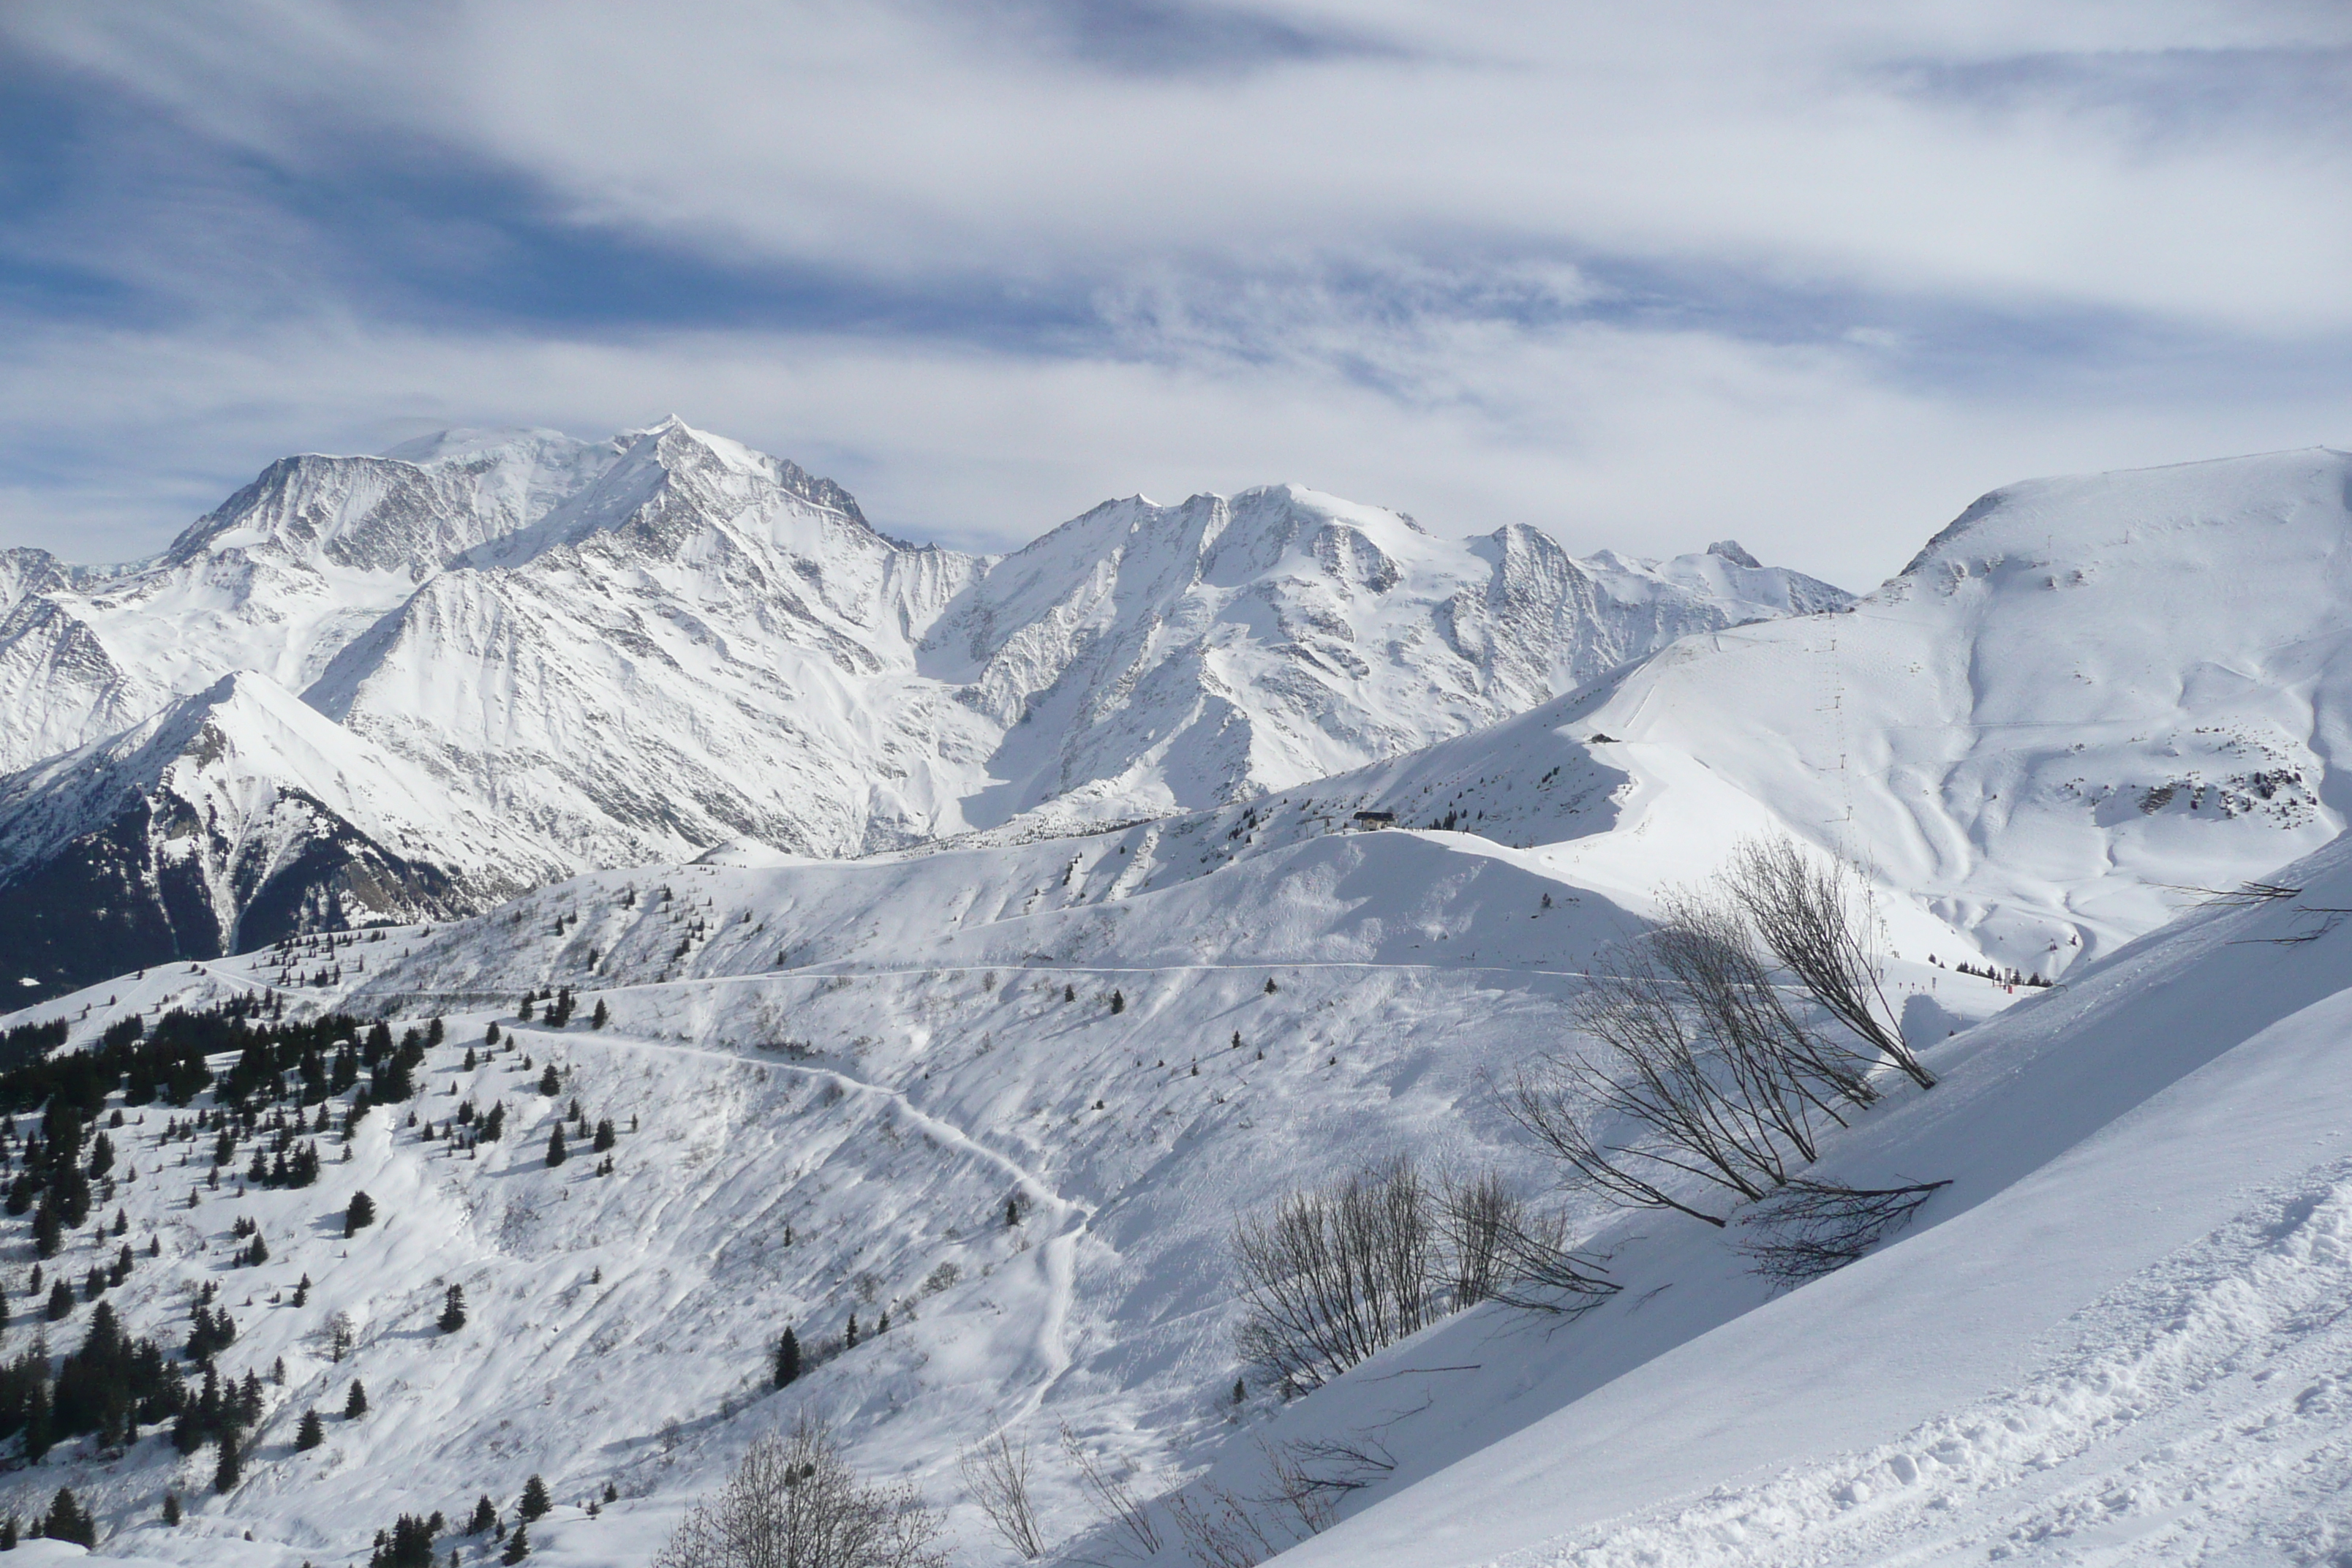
{"x": 1812, "y": 277}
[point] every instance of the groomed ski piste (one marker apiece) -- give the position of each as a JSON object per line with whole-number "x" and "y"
{"x": 2114, "y": 1337}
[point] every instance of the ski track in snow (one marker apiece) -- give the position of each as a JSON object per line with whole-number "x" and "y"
{"x": 2204, "y": 1417}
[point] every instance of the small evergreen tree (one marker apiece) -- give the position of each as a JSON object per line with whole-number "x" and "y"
{"x": 535, "y": 1501}
{"x": 355, "y": 1403}
{"x": 310, "y": 1433}
{"x": 788, "y": 1358}
{"x": 171, "y": 1509}
{"x": 9, "y": 1528}
{"x": 360, "y": 1216}
{"x": 604, "y": 1137}
{"x": 61, "y": 1301}
{"x": 453, "y": 1309}
{"x": 555, "y": 1150}
{"x": 69, "y": 1520}
{"x": 850, "y": 1339}
{"x": 524, "y": 1013}
{"x": 226, "y": 1474}
{"x": 486, "y": 1516}
{"x": 601, "y": 1017}
{"x": 490, "y": 1035}
{"x": 550, "y": 1084}
{"x": 518, "y": 1547}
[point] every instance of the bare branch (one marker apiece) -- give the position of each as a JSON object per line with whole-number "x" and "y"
{"x": 1817, "y": 1228}
{"x": 1818, "y": 922}
{"x": 1115, "y": 1502}
{"x": 997, "y": 1475}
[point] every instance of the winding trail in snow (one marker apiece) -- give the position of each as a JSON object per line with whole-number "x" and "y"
{"x": 1057, "y": 1255}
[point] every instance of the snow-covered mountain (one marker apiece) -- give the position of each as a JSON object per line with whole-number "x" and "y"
{"x": 234, "y": 817}
{"x": 642, "y": 649}
{"x": 1016, "y": 1090}
{"x": 2082, "y": 706}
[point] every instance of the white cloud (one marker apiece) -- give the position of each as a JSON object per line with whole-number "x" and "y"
{"x": 1642, "y": 440}
{"x": 1645, "y": 274}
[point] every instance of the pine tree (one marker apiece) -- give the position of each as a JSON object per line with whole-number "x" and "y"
{"x": 61, "y": 1301}
{"x": 788, "y": 1358}
{"x": 69, "y": 1520}
{"x": 171, "y": 1509}
{"x": 355, "y": 1405}
{"x": 555, "y": 1152}
{"x": 312, "y": 1433}
{"x": 604, "y": 1137}
{"x": 485, "y": 1515}
{"x": 490, "y": 1035}
{"x": 226, "y": 1474}
{"x": 302, "y": 1292}
{"x": 548, "y": 1084}
{"x": 524, "y": 1013}
{"x": 360, "y": 1216}
{"x": 9, "y": 1529}
{"x": 601, "y": 1017}
{"x": 518, "y": 1547}
{"x": 535, "y": 1501}
{"x": 851, "y": 1341}
{"x": 1118, "y": 1000}
{"x": 453, "y": 1310}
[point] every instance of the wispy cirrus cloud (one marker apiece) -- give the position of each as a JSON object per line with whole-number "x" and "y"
{"x": 1640, "y": 275}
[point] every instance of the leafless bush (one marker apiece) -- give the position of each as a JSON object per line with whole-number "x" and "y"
{"x": 1337, "y": 1274}
{"x": 1114, "y": 1500}
{"x": 1220, "y": 1531}
{"x": 795, "y": 1503}
{"x": 1654, "y": 1072}
{"x": 997, "y": 1475}
{"x": 1504, "y": 1251}
{"x": 1709, "y": 947}
{"x": 1819, "y": 923}
{"x": 1812, "y": 1229}
{"x": 1477, "y": 1213}
{"x": 1698, "y": 1054}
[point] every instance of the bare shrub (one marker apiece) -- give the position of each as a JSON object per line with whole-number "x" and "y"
{"x": 1337, "y": 1274}
{"x": 1655, "y": 1071}
{"x": 1115, "y": 1501}
{"x": 1819, "y": 923}
{"x": 1502, "y": 1250}
{"x": 794, "y": 1502}
{"x": 1812, "y": 1229}
{"x": 1219, "y": 1530}
{"x": 997, "y": 1475}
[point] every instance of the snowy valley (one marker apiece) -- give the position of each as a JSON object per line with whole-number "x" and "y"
{"x": 963, "y": 947}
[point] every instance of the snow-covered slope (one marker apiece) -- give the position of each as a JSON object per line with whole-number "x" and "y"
{"x": 643, "y": 648}
{"x": 2081, "y": 703}
{"x": 842, "y": 1071}
{"x": 2118, "y": 1337}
